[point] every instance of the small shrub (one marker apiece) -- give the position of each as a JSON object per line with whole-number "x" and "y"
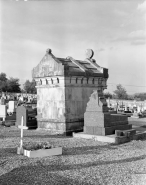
{"x": 36, "y": 146}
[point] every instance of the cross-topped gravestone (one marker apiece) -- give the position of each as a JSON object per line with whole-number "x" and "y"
{"x": 20, "y": 149}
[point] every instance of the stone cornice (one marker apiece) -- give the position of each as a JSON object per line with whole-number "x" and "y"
{"x": 60, "y": 81}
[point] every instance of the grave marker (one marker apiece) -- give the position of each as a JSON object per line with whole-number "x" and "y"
{"x": 12, "y": 107}
{"x": 99, "y": 121}
{"x": 29, "y": 116}
{"x": 3, "y": 112}
{"x": 20, "y": 149}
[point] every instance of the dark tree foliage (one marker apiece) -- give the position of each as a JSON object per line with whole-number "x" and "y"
{"x": 120, "y": 92}
{"x": 130, "y": 97}
{"x": 3, "y": 77}
{"x": 108, "y": 95}
{"x": 3, "y": 82}
{"x": 140, "y": 96}
{"x": 13, "y": 85}
{"x": 9, "y": 85}
{"x": 29, "y": 87}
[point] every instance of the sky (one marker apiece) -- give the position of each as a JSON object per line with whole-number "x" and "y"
{"x": 115, "y": 30}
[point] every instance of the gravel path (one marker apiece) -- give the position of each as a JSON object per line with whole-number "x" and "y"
{"x": 83, "y": 161}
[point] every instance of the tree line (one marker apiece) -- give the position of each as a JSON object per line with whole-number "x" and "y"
{"x": 12, "y": 85}
{"x": 121, "y": 93}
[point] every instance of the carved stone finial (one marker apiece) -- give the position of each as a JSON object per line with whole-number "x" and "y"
{"x": 48, "y": 51}
{"x": 89, "y": 53}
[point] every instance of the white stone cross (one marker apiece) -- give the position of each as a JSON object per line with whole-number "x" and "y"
{"x": 22, "y": 127}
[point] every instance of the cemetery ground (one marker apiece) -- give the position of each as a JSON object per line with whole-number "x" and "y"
{"x": 82, "y": 162}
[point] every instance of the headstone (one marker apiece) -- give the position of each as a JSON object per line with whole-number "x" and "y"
{"x": 3, "y": 101}
{"x": 29, "y": 116}
{"x": 108, "y": 102}
{"x": 125, "y": 109}
{"x": 135, "y": 112}
{"x": 138, "y": 109}
{"x": 3, "y": 112}
{"x": 99, "y": 121}
{"x": 10, "y": 119}
{"x": 21, "y": 98}
{"x": 12, "y": 107}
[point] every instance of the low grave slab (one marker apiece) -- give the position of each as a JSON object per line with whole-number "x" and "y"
{"x": 111, "y": 138}
{"x": 43, "y": 152}
{"x": 125, "y": 132}
{"x": 95, "y": 130}
{"x": 38, "y": 150}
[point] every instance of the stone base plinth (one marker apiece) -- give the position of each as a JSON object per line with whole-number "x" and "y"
{"x": 95, "y": 118}
{"x": 111, "y": 138}
{"x": 125, "y": 132}
{"x": 102, "y": 131}
{"x": 61, "y": 127}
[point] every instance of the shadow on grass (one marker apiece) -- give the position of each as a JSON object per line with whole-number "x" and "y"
{"x": 11, "y": 152}
{"x": 17, "y": 134}
{"x": 53, "y": 174}
{"x": 8, "y": 152}
{"x": 47, "y": 136}
{"x": 29, "y": 176}
{"x": 87, "y": 149}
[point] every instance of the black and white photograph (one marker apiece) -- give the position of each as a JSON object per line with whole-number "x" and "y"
{"x": 72, "y": 92}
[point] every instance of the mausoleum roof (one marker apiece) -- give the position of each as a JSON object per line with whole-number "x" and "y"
{"x": 54, "y": 66}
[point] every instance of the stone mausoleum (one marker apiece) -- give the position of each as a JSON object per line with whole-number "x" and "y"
{"x": 64, "y": 86}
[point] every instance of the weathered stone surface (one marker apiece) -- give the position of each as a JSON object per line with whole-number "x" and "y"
{"x": 98, "y": 120}
{"x": 95, "y": 130}
{"x": 124, "y": 132}
{"x": 97, "y": 102}
{"x": 49, "y": 66}
{"x": 54, "y": 127}
{"x": 61, "y": 127}
{"x": 52, "y": 66}
{"x": 64, "y": 86}
{"x": 104, "y": 120}
{"x": 89, "y": 53}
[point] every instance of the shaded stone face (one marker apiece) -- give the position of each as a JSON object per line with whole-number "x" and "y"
{"x": 64, "y": 86}
{"x": 48, "y": 67}
{"x": 28, "y": 114}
